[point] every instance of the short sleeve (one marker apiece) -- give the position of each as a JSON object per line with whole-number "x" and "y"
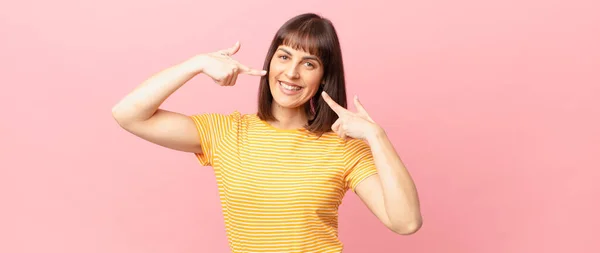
{"x": 212, "y": 127}
{"x": 358, "y": 161}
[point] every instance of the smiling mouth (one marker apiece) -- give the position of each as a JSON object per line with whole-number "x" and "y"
{"x": 290, "y": 87}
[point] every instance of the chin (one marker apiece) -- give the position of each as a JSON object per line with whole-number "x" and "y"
{"x": 288, "y": 102}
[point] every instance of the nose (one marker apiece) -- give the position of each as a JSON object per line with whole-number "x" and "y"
{"x": 291, "y": 72}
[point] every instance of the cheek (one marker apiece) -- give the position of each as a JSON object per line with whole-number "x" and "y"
{"x": 274, "y": 71}
{"x": 313, "y": 80}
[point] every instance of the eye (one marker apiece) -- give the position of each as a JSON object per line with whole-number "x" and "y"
{"x": 310, "y": 65}
{"x": 283, "y": 57}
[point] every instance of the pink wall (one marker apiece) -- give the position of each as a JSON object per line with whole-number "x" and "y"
{"x": 493, "y": 106}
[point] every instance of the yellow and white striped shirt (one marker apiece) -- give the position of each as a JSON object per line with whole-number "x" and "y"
{"x": 280, "y": 189}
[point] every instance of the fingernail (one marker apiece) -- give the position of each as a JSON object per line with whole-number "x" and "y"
{"x": 263, "y": 72}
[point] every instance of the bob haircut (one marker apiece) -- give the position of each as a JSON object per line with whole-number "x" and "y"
{"x": 316, "y": 35}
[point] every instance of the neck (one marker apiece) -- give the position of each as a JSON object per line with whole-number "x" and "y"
{"x": 289, "y": 118}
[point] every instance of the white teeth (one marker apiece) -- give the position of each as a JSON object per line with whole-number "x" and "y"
{"x": 288, "y": 87}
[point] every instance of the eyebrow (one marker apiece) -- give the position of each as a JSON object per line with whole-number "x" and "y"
{"x": 304, "y": 58}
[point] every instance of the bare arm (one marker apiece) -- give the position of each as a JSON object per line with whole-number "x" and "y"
{"x": 391, "y": 194}
{"x": 392, "y": 191}
{"x": 139, "y": 113}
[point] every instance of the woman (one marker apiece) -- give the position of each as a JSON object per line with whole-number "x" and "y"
{"x": 282, "y": 172}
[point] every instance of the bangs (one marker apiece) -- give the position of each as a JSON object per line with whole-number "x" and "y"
{"x": 314, "y": 35}
{"x": 309, "y": 37}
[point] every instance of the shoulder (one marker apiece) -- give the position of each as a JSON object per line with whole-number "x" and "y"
{"x": 356, "y": 150}
{"x": 221, "y": 123}
{"x": 354, "y": 145}
{"x": 234, "y": 116}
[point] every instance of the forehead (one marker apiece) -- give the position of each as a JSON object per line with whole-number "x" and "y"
{"x": 292, "y": 51}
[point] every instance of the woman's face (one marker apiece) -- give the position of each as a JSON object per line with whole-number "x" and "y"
{"x": 294, "y": 77}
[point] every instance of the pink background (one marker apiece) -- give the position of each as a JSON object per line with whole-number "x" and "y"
{"x": 493, "y": 106}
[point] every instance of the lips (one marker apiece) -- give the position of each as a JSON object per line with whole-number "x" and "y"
{"x": 290, "y": 86}
{"x": 289, "y": 89}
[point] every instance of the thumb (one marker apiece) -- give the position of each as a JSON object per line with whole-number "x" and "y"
{"x": 232, "y": 50}
{"x": 359, "y": 107}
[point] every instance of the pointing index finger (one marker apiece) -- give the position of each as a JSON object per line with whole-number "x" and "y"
{"x": 252, "y": 72}
{"x": 338, "y": 109}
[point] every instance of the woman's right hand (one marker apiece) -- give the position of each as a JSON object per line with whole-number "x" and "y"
{"x": 223, "y": 69}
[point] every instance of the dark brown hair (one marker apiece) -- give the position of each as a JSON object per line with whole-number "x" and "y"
{"x": 316, "y": 35}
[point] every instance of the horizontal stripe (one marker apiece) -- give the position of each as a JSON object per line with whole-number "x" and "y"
{"x": 280, "y": 189}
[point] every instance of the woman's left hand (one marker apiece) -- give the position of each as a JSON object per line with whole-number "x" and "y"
{"x": 357, "y": 125}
